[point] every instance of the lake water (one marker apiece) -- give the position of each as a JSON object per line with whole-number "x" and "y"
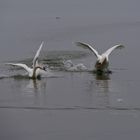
{"x": 69, "y": 105}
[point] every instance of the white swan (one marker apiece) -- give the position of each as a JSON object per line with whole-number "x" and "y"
{"x": 102, "y": 62}
{"x": 36, "y": 70}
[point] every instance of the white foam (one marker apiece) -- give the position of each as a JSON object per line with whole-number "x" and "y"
{"x": 70, "y": 66}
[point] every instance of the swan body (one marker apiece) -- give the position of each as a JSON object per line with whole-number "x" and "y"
{"x": 102, "y": 62}
{"x": 36, "y": 70}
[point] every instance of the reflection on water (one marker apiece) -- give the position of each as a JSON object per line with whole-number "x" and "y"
{"x": 33, "y": 86}
{"x": 98, "y": 89}
{"x": 76, "y": 86}
{"x": 37, "y": 89}
{"x": 104, "y": 76}
{"x": 88, "y": 89}
{"x": 25, "y": 92}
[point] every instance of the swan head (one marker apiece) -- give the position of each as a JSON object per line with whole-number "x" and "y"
{"x": 43, "y": 68}
{"x": 40, "y": 68}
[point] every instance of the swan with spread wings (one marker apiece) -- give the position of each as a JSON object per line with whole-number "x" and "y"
{"x": 36, "y": 70}
{"x": 102, "y": 62}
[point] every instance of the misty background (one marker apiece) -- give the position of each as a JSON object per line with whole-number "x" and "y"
{"x": 25, "y": 23}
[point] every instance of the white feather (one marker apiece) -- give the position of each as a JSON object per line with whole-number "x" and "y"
{"x": 109, "y": 51}
{"x": 87, "y": 46}
{"x": 35, "y": 60}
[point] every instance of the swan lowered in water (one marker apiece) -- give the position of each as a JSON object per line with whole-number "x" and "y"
{"x": 36, "y": 70}
{"x": 102, "y": 62}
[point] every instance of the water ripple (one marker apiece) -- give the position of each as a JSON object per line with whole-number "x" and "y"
{"x": 72, "y": 108}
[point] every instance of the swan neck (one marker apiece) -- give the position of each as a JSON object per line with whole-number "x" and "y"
{"x": 34, "y": 71}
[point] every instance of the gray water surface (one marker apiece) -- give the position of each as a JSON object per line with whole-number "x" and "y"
{"x": 69, "y": 105}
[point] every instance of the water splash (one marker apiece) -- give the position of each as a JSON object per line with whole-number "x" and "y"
{"x": 70, "y": 66}
{"x": 53, "y": 61}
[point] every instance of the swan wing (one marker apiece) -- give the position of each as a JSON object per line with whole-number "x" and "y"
{"x": 24, "y": 66}
{"x": 35, "y": 60}
{"x": 87, "y": 46}
{"x": 109, "y": 51}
